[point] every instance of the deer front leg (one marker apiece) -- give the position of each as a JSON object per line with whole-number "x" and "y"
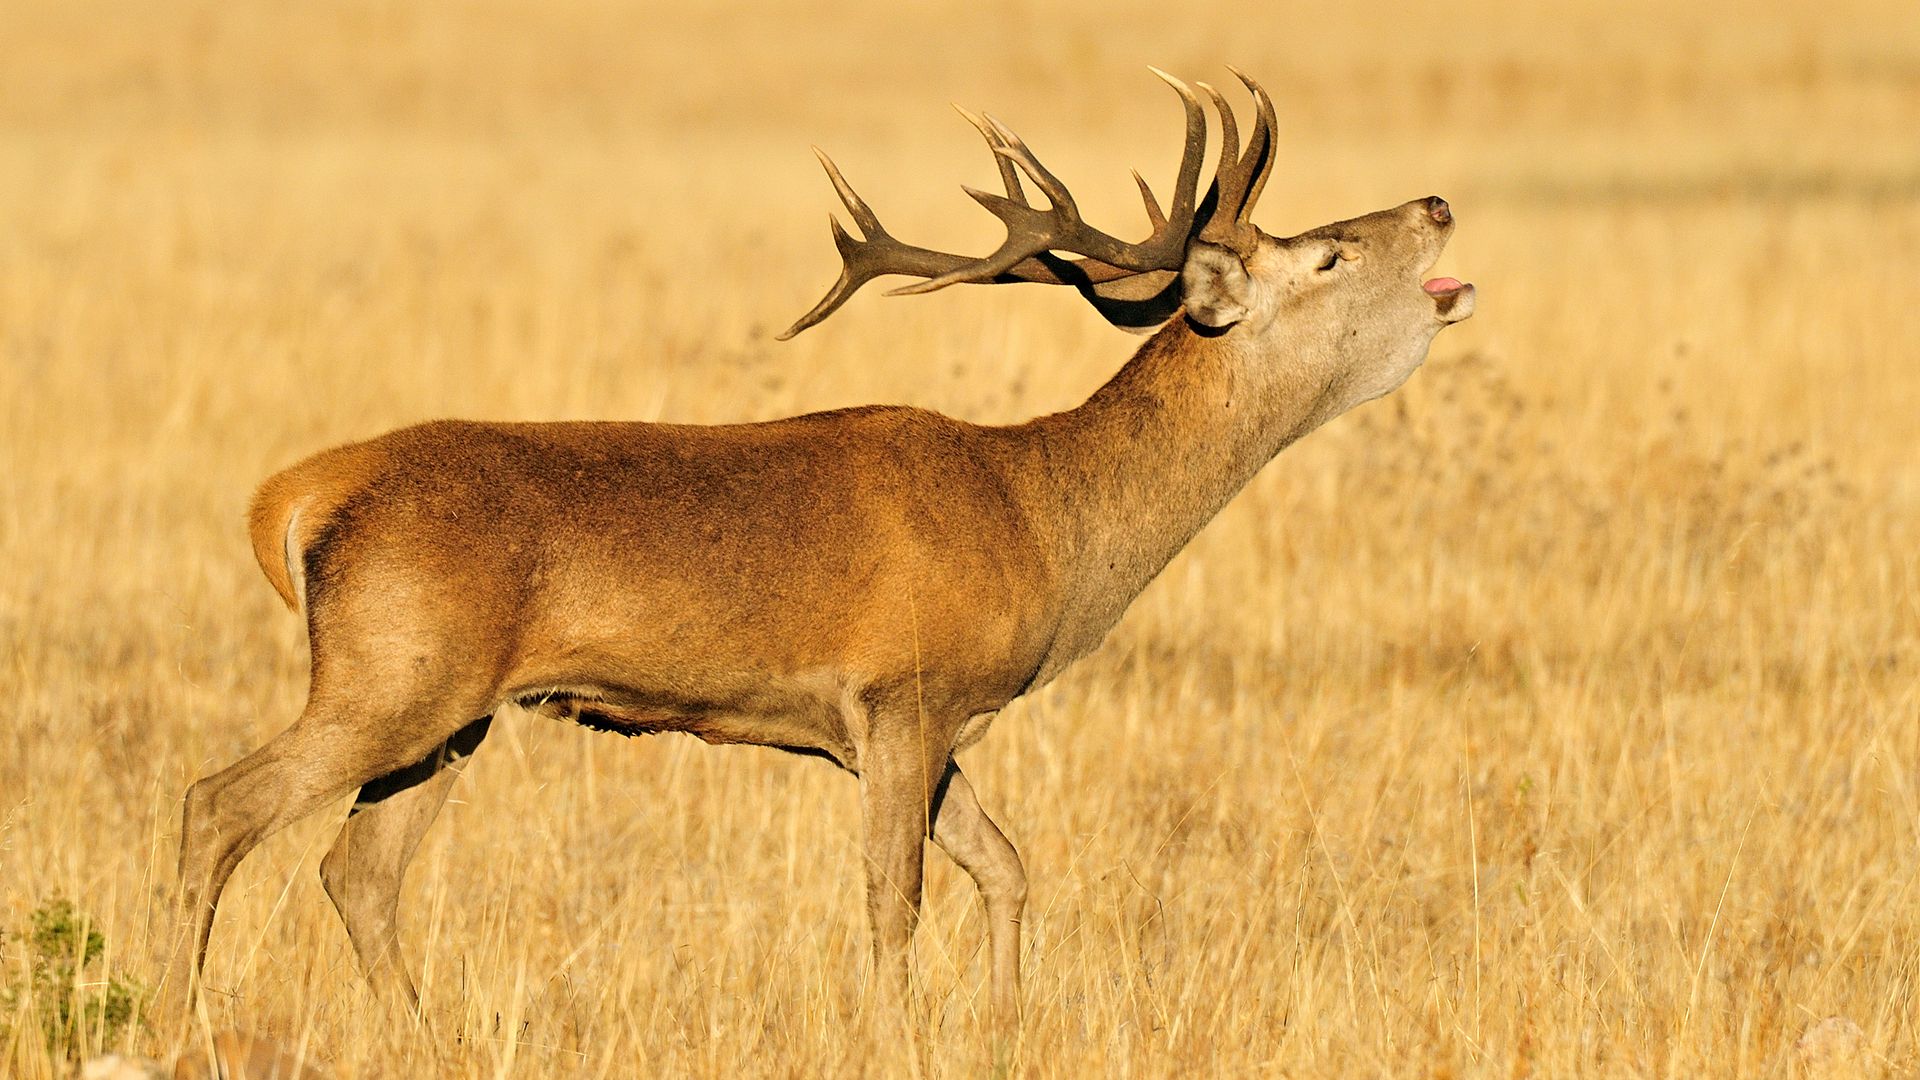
{"x": 965, "y": 832}
{"x": 896, "y": 791}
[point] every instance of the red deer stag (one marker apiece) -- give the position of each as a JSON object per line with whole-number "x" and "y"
{"x": 870, "y": 585}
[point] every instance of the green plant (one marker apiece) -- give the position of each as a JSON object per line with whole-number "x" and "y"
{"x": 62, "y": 991}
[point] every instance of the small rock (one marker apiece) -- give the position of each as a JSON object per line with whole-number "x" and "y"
{"x": 118, "y": 1067}
{"x": 246, "y": 1057}
{"x": 1834, "y": 1047}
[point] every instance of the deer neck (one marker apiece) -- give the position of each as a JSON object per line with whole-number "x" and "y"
{"x": 1129, "y": 477}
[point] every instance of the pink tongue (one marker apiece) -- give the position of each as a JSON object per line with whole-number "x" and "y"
{"x": 1441, "y": 285}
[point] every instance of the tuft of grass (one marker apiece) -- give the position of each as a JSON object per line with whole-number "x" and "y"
{"x": 65, "y": 989}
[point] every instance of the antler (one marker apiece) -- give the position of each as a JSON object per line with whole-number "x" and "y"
{"x": 1034, "y": 234}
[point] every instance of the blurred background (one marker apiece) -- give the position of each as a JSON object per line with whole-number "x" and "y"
{"x": 1554, "y": 715}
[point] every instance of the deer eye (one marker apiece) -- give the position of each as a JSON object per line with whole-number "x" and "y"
{"x": 1332, "y": 260}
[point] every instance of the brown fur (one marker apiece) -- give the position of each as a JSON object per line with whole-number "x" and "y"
{"x": 868, "y": 584}
{"x": 317, "y": 487}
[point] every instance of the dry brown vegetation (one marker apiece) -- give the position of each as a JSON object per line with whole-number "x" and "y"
{"x": 1555, "y": 716}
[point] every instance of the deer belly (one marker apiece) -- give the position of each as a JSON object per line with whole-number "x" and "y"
{"x": 792, "y": 726}
{"x": 602, "y": 715}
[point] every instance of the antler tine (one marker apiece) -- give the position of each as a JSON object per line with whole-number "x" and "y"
{"x": 852, "y": 264}
{"x": 862, "y": 214}
{"x": 1154, "y": 216}
{"x": 1187, "y": 185}
{"x": 844, "y": 287}
{"x": 1242, "y": 172}
{"x": 874, "y": 254}
{"x": 1013, "y": 148}
{"x": 1229, "y": 134}
{"x": 1221, "y": 195}
{"x": 1265, "y": 138}
{"x": 1009, "y": 175}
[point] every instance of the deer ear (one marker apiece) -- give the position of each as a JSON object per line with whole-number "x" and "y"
{"x": 1214, "y": 286}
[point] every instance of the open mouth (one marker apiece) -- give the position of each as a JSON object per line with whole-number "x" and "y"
{"x": 1452, "y": 298}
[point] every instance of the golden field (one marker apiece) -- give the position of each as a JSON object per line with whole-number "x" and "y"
{"x": 1558, "y": 715}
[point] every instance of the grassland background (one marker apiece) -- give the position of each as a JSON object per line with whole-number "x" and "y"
{"x": 1555, "y": 716}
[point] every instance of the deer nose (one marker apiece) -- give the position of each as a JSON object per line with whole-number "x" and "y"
{"x": 1439, "y": 211}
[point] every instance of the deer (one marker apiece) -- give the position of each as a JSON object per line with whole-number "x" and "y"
{"x": 867, "y": 585}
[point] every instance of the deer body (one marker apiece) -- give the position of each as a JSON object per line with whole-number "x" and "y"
{"x": 869, "y": 585}
{"x": 742, "y": 583}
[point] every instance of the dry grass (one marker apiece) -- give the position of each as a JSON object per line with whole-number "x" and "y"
{"x": 1556, "y": 716}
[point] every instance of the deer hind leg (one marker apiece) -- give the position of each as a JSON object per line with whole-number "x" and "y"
{"x": 965, "y": 832}
{"x": 363, "y": 871}
{"x": 337, "y": 745}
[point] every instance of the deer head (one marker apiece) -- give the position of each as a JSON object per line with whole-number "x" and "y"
{"x": 1347, "y": 298}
